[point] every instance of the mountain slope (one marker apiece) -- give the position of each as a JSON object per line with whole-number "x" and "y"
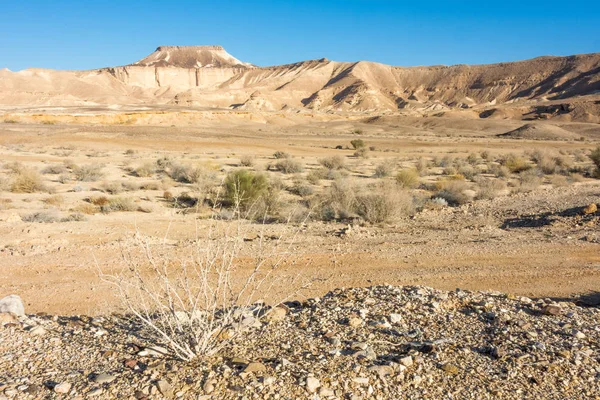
{"x": 208, "y": 76}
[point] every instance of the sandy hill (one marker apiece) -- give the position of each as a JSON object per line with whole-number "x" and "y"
{"x": 208, "y": 76}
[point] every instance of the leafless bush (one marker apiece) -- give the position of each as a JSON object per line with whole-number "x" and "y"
{"x": 361, "y": 152}
{"x": 559, "y": 181}
{"x": 383, "y": 170}
{"x": 55, "y": 200}
{"x": 246, "y": 161}
{"x": 185, "y": 173}
{"x": 42, "y": 217}
{"x": 499, "y": 171}
{"x": 339, "y": 201}
{"x": 383, "y": 203}
{"x": 281, "y": 154}
{"x": 453, "y": 191}
{"x": 289, "y": 166}
{"x": 55, "y": 169}
{"x": 529, "y": 180}
{"x": 119, "y": 204}
{"x": 88, "y": 173}
{"x": 489, "y": 188}
{"x": 333, "y": 162}
{"x": 197, "y": 303}
{"x": 145, "y": 170}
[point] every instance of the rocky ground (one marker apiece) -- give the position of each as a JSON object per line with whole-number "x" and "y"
{"x": 383, "y": 342}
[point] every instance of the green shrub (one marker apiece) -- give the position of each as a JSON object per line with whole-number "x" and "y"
{"x": 595, "y": 157}
{"x": 357, "y": 144}
{"x": 243, "y": 188}
{"x": 515, "y": 163}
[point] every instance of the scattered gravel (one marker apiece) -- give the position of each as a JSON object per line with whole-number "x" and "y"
{"x": 382, "y": 342}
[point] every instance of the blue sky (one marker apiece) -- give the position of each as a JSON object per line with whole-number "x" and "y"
{"x": 82, "y": 34}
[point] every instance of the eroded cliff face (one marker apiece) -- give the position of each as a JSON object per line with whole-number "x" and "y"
{"x": 208, "y": 76}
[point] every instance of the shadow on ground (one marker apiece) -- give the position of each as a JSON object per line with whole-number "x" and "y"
{"x": 544, "y": 219}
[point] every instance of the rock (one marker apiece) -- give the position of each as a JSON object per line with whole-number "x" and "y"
{"x": 37, "y": 330}
{"x": 590, "y": 209}
{"x": 395, "y": 318}
{"x": 326, "y": 392}
{"x": 165, "y": 388}
{"x": 12, "y": 304}
{"x": 450, "y": 369}
{"x": 361, "y": 381}
{"x": 255, "y": 367}
{"x": 355, "y": 322}
{"x": 406, "y": 361}
{"x": 312, "y": 384}
{"x": 154, "y": 351}
{"x": 62, "y": 388}
{"x": 95, "y": 392}
{"x": 277, "y": 314}
{"x": 382, "y": 370}
{"x": 551, "y": 309}
{"x": 104, "y": 378}
{"x": 578, "y": 334}
{"x": 208, "y": 387}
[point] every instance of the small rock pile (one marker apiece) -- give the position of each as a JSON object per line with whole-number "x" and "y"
{"x": 382, "y": 342}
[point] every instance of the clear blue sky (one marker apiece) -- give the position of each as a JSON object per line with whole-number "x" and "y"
{"x": 87, "y": 34}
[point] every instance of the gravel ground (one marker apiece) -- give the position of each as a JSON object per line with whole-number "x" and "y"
{"x": 382, "y": 342}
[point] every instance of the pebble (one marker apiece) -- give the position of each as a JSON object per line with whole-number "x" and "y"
{"x": 312, "y": 384}
{"x": 104, "y": 378}
{"x": 37, "y": 330}
{"x": 63, "y": 388}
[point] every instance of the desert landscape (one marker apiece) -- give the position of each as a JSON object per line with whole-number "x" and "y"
{"x": 196, "y": 226}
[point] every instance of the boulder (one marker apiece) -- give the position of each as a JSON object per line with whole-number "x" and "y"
{"x": 12, "y": 304}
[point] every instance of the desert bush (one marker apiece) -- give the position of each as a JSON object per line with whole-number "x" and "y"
{"x": 247, "y": 161}
{"x": 446, "y": 161}
{"x": 42, "y": 217}
{"x": 55, "y": 169}
{"x": 453, "y": 191}
{"x": 499, "y": 171}
{"x": 98, "y": 200}
{"x": 515, "y": 163}
{"x": 74, "y": 217}
{"x": 468, "y": 171}
{"x": 486, "y": 155}
{"x": 243, "y": 188}
{"x": 383, "y": 203}
{"x": 119, "y": 204}
{"x": 576, "y": 177}
{"x": 472, "y": 159}
{"x": 281, "y": 154}
{"x": 4, "y": 183}
{"x": 529, "y": 180}
{"x": 64, "y": 178}
{"x": 450, "y": 170}
{"x": 184, "y": 173}
{"x": 15, "y": 167}
{"x": 421, "y": 165}
{"x": 301, "y": 189}
{"x": 86, "y": 208}
{"x": 88, "y": 173}
{"x": 130, "y": 152}
{"x": 145, "y": 170}
{"x": 55, "y": 200}
{"x": 168, "y": 196}
{"x": 595, "y": 157}
{"x": 407, "y": 178}
{"x": 27, "y": 181}
{"x": 163, "y": 163}
{"x": 333, "y": 162}
{"x": 314, "y": 176}
{"x": 488, "y": 188}
{"x": 339, "y": 201}
{"x": 361, "y": 152}
{"x": 357, "y": 144}
{"x": 289, "y": 166}
{"x": 383, "y": 170}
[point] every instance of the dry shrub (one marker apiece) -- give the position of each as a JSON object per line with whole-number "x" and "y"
{"x": 301, "y": 189}
{"x": 55, "y": 200}
{"x": 468, "y": 171}
{"x": 247, "y": 161}
{"x": 168, "y": 196}
{"x": 55, "y": 169}
{"x": 27, "y": 181}
{"x": 489, "y": 188}
{"x": 383, "y": 170}
{"x": 515, "y": 163}
{"x": 42, "y": 217}
{"x": 486, "y": 155}
{"x": 315, "y": 176}
{"x": 15, "y": 167}
{"x": 86, "y": 208}
{"x": 119, "y": 204}
{"x": 453, "y": 191}
{"x": 529, "y": 180}
{"x": 383, "y": 203}
{"x": 145, "y": 170}
{"x": 357, "y": 144}
{"x": 185, "y": 173}
{"x": 407, "y": 178}
{"x": 333, "y": 162}
{"x": 88, "y": 173}
{"x": 281, "y": 154}
{"x": 472, "y": 159}
{"x": 595, "y": 157}
{"x": 289, "y": 166}
{"x": 99, "y": 201}
{"x": 499, "y": 171}
{"x": 194, "y": 303}
{"x": 339, "y": 201}
{"x": 361, "y": 152}
{"x": 4, "y": 183}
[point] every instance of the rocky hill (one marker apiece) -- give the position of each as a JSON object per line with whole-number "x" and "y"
{"x": 382, "y": 342}
{"x": 208, "y": 76}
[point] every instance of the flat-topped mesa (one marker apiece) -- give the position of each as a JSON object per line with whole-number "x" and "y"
{"x": 191, "y": 57}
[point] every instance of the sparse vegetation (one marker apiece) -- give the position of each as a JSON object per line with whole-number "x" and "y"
{"x": 88, "y": 173}
{"x": 333, "y": 162}
{"x": 289, "y": 166}
{"x": 383, "y": 170}
{"x": 27, "y": 181}
{"x": 357, "y": 144}
{"x": 407, "y": 178}
{"x": 243, "y": 188}
{"x": 247, "y": 161}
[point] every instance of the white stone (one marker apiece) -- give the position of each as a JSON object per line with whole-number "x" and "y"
{"x": 12, "y": 304}
{"x": 312, "y": 384}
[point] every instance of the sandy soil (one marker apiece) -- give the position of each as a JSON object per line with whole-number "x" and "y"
{"x": 536, "y": 244}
